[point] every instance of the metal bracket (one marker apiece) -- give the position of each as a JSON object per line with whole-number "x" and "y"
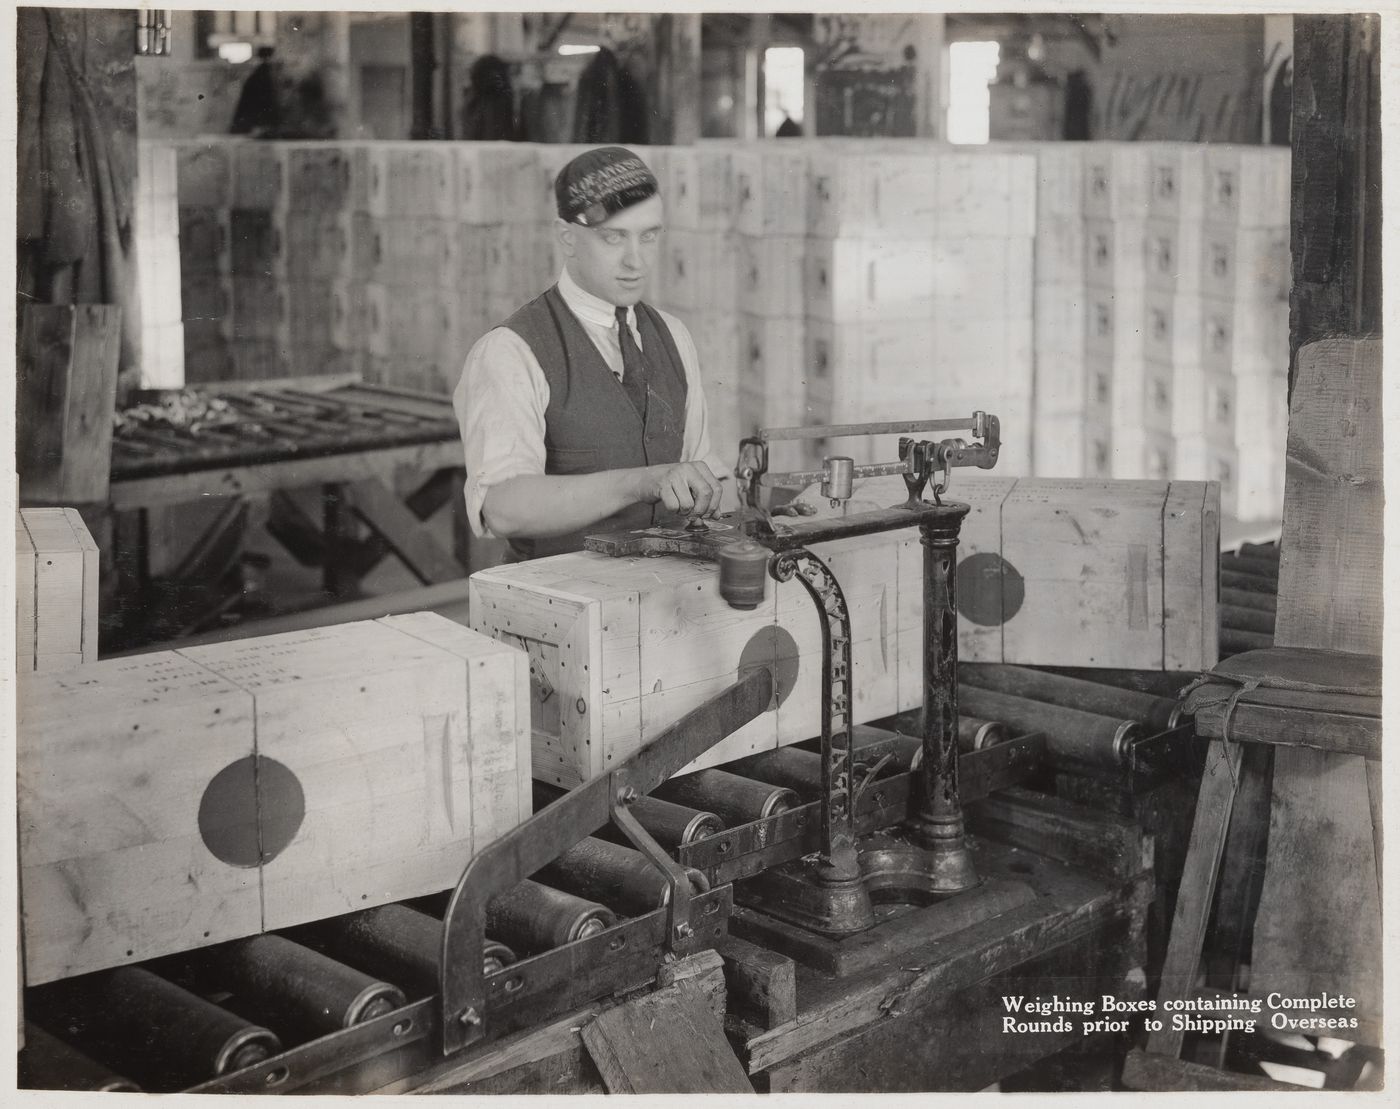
{"x": 679, "y": 933}
{"x": 466, "y": 1013}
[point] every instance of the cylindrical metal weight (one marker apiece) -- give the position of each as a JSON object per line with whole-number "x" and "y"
{"x": 160, "y": 1034}
{"x": 533, "y": 917}
{"x": 789, "y": 767}
{"x": 49, "y": 1063}
{"x": 839, "y": 481}
{"x": 734, "y": 799}
{"x": 671, "y": 825}
{"x": 307, "y": 994}
{"x": 1155, "y": 714}
{"x": 1246, "y": 619}
{"x": 611, "y": 875}
{"x": 1070, "y": 734}
{"x": 1245, "y": 598}
{"x": 743, "y": 574}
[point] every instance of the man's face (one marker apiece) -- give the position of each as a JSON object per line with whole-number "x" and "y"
{"x": 615, "y": 260}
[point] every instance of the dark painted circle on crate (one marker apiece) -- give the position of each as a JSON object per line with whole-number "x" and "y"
{"x": 990, "y": 590}
{"x": 765, "y": 647}
{"x": 228, "y": 811}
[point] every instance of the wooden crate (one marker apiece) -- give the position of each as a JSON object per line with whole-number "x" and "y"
{"x": 56, "y": 583}
{"x": 386, "y": 752}
{"x": 1111, "y": 574}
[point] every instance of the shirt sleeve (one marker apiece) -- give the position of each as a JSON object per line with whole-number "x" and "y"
{"x": 695, "y": 441}
{"x": 500, "y": 403}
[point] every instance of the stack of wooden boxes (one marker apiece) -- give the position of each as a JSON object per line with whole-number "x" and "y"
{"x": 919, "y": 289}
{"x": 1115, "y": 270}
{"x": 1072, "y": 394}
{"x": 1121, "y": 306}
{"x": 1233, "y": 424}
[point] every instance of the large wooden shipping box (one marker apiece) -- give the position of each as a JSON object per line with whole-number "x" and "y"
{"x": 183, "y": 798}
{"x": 1086, "y": 573}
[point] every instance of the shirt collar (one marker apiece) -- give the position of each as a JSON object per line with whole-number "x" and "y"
{"x": 589, "y": 308}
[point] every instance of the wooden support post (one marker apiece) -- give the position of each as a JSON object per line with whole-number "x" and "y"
{"x": 1219, "y": 784}
{"x": 675, "y": 79}
{"x": 1336, "y": 179}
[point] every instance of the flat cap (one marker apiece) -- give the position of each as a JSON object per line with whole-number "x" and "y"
{"x": 600, "y": 183}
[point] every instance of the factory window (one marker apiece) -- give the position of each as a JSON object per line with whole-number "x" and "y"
{"x": 972, "y": 66}
{"x": 784, "y": 79}
{"x": 233, "y": 35}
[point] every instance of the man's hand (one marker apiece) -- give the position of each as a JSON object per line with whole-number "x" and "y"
{"x": 688, "y": 488}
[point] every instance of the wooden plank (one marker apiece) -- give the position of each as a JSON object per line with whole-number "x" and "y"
{"x": 407, "y": 536}
{"x": 1330, "y": 571}
{"x": 67, "y": 382}
{"x": 292, "y": 474}
{"x": 1319, "y": 922}
{"x": 1219, "y": 784}
{"x": 385, "y": 755}
{"x": 91, "y": 583}
{"x": 762, "y": 984}
{"x": 1143, "y": 1070}
{"x": 1296, "y": 725}
{"x": 668, "y": 1042}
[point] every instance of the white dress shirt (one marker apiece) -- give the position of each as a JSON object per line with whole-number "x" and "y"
{"x": 503, "y": 394}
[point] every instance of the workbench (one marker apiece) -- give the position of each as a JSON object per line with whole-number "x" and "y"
{"x": 345, "y": 438}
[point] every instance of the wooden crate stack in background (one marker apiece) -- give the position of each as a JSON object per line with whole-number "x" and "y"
{"x": 1115, "y": 268}
{"x": 1073, "y": 394}
{"x": 1121, "y": 306}
{"x": 1242, "y": 314}
{"x": 156, "y": 249}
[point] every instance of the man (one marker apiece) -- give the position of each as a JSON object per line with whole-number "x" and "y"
{"x": 584, "y": 412}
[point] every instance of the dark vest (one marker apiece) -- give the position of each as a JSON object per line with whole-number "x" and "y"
{"x": 590, "y": 424}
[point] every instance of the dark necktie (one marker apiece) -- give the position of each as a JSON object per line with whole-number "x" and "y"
{"x": 634, "y": 366}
